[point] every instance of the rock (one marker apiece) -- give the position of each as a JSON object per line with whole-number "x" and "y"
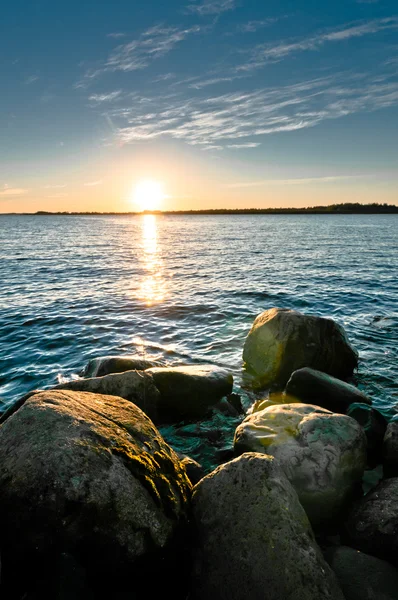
{"x": 274, "y": 399}
{"x": 314, "y": 387}
{"x": 323, "y": 454}
{"x": 253, "y": 537}
{"x": 374, "y": 425}
{"x": 282, "y": 341}
{"x": 136, "y": 386}
{"x": 90, "y": 475}
{"x": 104, "y": 365}
{"x": 372, "y": 525}
{"x": 390, "y": 449}
{"x": 189, "y": 391}
{"x": 236, "y": 401}
{"x": 194, "y": 470}
{"x": 363, "y": 577}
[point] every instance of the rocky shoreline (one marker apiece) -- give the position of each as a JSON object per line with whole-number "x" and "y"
{"x": 94, "y": 503}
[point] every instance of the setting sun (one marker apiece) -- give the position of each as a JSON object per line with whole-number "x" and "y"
{"x": 148, "y": 195}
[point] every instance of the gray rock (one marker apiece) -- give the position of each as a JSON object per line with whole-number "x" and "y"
{"x": 390, "y": 449}
{"x": 323, "y": 454}
{"x": 282, "y": 341}
{"x": 314, "y": 387}
{"x": 104, "y": 365}
{"x": 254, "y": 539}
{"x": 190, "y": 391}
{"x": 363, "y": 577}
{"x": 372, "y": 525}
{"x": 90, "y": 475}
{"x": 136, "y": 386}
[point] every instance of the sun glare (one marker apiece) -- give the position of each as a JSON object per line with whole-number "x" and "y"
{"x": 148, "y": 195}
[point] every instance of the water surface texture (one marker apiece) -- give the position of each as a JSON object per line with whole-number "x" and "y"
{"x": 186, "y": 289}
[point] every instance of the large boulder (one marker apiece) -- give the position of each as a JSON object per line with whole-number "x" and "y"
{"x": 104, "y": 365}
{"x": 390, "y": 449}
{"x": 323, "y": 454}
{"x": 363, "y": 577}
{"x": 190, "y": 391}
{"x": 253, "y": 537}
{"x": 282, "y": 341}
{"x": 372, "y": 525}
{"x": 314, "y": 387}
{"x": 136, "y": 386}
{"x": 89, "y": 475}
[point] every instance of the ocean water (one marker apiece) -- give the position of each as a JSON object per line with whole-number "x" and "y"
{"x": 185, "y": 289}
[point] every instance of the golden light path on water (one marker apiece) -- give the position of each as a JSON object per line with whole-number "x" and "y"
{"x": 153, "y": 287}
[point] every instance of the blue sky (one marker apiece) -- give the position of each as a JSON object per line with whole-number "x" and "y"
{"x": 225, "y": 102}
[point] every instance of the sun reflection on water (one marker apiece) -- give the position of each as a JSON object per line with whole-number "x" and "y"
{"x": 153, "y": 287}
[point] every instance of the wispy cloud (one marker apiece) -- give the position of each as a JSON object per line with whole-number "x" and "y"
{"x": 212, "y": 7}
{"x": 116, "y": 35}
{"x": 93, "y": 183}
{"x": 99, "y": 98}
{"x": 241, "y": 117}
{"x": 55, "y": 187}
{"x": 10, "y": 191}
{"x": 253, "y": 26}
{"x": 264, "y": 53}
{"x": 31, "y": 79}
{"x": 301, "y": 181}
{"x": 240, "y": 146}
{"x": 138, "y": 54}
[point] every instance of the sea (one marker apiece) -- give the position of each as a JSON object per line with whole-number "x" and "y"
{"x": 185, "y": 289}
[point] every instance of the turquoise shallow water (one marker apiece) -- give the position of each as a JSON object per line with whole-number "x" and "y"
{"x": 186, "y": 289}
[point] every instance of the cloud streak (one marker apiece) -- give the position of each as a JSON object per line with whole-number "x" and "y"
{"x": 301, "y": 181}
{"x": 8, "y": 191}
{"x": 152, "y": 44}
{"x": 236, "y": 118}
{"x": 93, "y": 183}
{"x": 212, "y": 7}
{"x": 264, "y": 53}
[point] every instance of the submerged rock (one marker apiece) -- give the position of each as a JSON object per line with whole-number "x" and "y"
{"x": 254, "y": 539}
{"x": 190, "y": 391}
{"x": 104, "y": 365}
{"x": 314, "y": 387}
{"x": 363, "y": 577}
{"x": 282, "y": 341}
{"x": 372, "y": 525}
{"x": 136, "y": 386}
{"x": 90, "y": 475}
{"x": 323, "y": 454}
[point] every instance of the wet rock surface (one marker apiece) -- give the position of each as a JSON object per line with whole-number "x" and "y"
{"x": 314, "y": 387}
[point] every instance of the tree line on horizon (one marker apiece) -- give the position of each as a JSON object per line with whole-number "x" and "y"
{"x": 344, "y": 208}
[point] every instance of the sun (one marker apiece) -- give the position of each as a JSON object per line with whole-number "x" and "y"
{"x": 148, "y": 195}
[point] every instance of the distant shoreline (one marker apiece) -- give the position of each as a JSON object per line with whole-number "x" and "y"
{"x": 333, "y": 209}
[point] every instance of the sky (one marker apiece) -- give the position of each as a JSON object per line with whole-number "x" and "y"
{"x": 222, "y": 103}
